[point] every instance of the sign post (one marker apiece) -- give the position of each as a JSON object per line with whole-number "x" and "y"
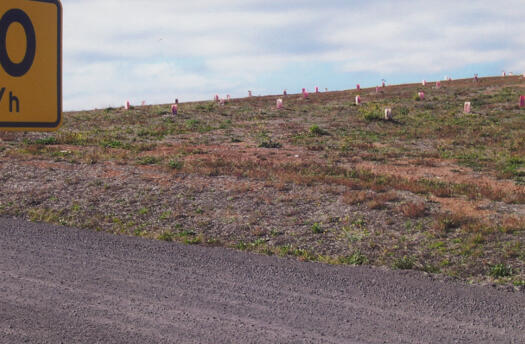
{"x": 30, "y": 65}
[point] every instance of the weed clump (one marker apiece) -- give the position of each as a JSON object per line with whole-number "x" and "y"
{"x": 315, "y": 130}
{"x": 47, "y": 141}
{"x": 316, "y": 228}
{"x": 500, "y": 270}
{"x": 166, "y": 236}
{"x": 148, "y": 160}
{"x": 357, "y": 258}
{"x": 404, "y": 263}
{"x": 371, "y": 112}
{"x": 270, "y": 144}
{"x": 176, "y": 164}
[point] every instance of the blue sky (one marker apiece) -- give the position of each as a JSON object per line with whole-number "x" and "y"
{"x": 159, "y": 50}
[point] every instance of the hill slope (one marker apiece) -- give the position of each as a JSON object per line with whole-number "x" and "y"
{"x": 322, "y": 179}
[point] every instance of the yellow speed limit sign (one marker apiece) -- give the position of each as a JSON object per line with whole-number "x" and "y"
{"x": 30, "y": 65}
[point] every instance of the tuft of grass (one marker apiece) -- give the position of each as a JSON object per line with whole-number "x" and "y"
{"x": 51, "y": 140}
{"x": 404, "y": 263}
{"x": 500, "y": 270}
{"x": 413, "y": 209}
{"x": 315, "y": 130}
{"x": 357, "y": 258}
{"x": 176, "y": 164}
{"x": 316, "y": 228}
{"x": 355, "y": 197}
{"x": 270, "y": 144}
{"x": 166, "y": 236}
{"x": 148, "y": 160}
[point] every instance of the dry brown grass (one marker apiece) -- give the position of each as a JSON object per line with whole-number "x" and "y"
{"x": 513, "y": 223}
{"x": 445, "y": 223}
{"x": 356, "y": 197}
{"x": 413, "y": 209}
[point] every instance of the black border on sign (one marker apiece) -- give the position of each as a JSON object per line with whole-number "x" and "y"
{"x": 48, "y": 125}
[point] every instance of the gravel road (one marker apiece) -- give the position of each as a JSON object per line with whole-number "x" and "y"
{"x": 63, "y": 285}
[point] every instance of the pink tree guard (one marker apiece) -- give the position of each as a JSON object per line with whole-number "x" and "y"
{"x": 421, "y": 95}
{"x": 316, "y": 89}
{"x": 305, "y": 94}
{"x": 424, "y": 83}
{"x": 216, "y": 98}
{"x": 438, "y": 84}
{"x": 127, "y": 106}
{"x": 476, "y": 79}
{"x": 358, "y": 87}
{"x": 279, "y": 103}
{"x": 177, "y": 101}
{"x": 467, "y": 107}
{"x": 174, "y": 109}
{"x": 503, "y": 74}
{"x": 228, "y": 97}
{"x": 249, "y": 93}
{"x": 377, "y": 89}
{"x": 285, "y": 93}
{"x": 304, "y": 90}
{"x": 358, "y": 100}
{"x": 522, "y": 101}
{"x": 383, "y": 84}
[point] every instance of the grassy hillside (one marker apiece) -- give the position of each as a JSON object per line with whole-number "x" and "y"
{"x": 322, "y": 179}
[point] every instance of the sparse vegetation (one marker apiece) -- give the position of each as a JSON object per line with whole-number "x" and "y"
{"x": 434, "y": 190}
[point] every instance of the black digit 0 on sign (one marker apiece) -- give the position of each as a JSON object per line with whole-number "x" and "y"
{"x": 17, "y": 69}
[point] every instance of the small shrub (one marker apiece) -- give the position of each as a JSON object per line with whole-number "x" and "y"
{"x": 371, "y": 113}
{"x": 316, "y": 228}
{"x": 500, "y": 270}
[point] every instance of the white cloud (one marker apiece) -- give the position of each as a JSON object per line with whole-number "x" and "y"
{"x": 153, "y": 50}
